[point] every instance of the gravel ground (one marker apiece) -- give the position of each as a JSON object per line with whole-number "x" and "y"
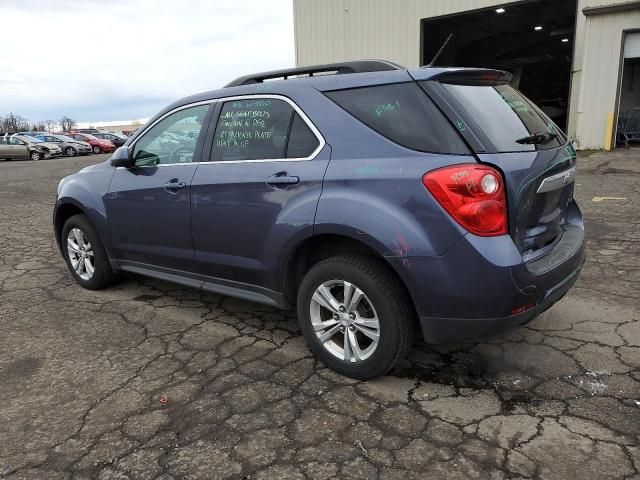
{"x": 150, "y": 380}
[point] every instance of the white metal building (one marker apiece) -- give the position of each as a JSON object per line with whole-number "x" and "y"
{"x": 578, "y": 59}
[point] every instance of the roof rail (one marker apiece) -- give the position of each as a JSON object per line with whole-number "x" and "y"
{"x": 356, "y": 66}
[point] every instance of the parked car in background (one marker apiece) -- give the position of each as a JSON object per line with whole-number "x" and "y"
{"x": 376, "y": 200}
{"x": 117, "y": 139}
{"x": 14, "y": 148}
{"x": 98, "y": 145}
{"x": 70, "y": 146}
{"x": 84, "y": 130}
{"x": 49, "y": 149}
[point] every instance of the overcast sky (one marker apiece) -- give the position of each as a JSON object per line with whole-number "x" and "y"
{"x": 101, "y": 60}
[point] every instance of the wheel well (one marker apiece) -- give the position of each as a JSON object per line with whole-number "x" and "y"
{"x": 319, "y": 248}
{"x": 65, "y": 211}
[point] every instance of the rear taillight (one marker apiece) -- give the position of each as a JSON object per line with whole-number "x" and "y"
{"x": 473, "y": 195}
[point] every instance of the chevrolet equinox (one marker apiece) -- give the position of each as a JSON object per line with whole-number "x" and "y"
{"x": 376, "y": 200}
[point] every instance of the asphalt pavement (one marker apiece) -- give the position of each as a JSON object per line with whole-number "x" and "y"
{"x": 149, "y": 380}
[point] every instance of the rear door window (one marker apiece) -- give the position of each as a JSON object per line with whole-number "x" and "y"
{"x": 404, "y": 114}
{"x": 510, "y": 121}
{"x": 302, "y": 141}
{"x": 261, "y": 129}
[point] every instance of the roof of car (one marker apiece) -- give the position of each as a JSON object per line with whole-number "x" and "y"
{"x": 326, "y": 77}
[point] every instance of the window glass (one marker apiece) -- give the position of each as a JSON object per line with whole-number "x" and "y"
{"x": 302, "y": 141}
{"x": 507, "y": 117}
{"x": 252, "y": 129}
{"x": 161, "y": 145}
{"x": 15, "y": 141}
{"x": 402, "y": 113}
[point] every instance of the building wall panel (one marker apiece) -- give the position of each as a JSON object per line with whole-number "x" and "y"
{"x": 337, "y": 30}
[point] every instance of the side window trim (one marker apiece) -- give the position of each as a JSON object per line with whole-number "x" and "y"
{"x": 213, "y": 115}
{"x": 201, "y": 140}
{"x": 296, "y": 109}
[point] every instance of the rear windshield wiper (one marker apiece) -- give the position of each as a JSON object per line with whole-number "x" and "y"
{"x": 538, "y": 138}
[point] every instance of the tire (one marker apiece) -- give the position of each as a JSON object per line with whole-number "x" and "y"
{"x": 384, "y": 299}
{"x": 35, "y": 156}
{"x": 70, "y": 152}
{"x": 102, "y": 275}
{"x": 97, "y": 150}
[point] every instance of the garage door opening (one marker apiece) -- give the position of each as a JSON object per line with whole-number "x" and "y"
{"x": 532, "y": 40}
{"x": 628, "y": 127}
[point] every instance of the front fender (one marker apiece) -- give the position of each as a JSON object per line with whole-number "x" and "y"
{"x": 86, "y": 191}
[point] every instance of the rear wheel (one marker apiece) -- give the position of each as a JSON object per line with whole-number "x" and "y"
{"x": 85, "y": 255}
{"x": 355, "y": 315}
{"x": 70, "y": 152}
{"x": 35, "y": 155}
{"x": 97, "y": 149}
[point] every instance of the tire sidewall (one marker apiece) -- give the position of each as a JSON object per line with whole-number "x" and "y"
{"x": 96, "y": 150}
{"x": 99, "y": 255}
{"x": 385, "y": 354}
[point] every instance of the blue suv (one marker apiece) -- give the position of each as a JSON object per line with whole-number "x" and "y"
{"x": 374, "y": 199}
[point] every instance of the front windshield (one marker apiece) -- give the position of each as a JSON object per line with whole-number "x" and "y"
{"x": 89, "y": 136}
{"x": 65, "y": 139}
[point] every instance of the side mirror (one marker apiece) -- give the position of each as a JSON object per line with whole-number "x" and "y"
{"x": 122, "y": 157}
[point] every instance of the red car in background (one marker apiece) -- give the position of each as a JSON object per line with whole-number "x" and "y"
{"x": 97, "y": 144}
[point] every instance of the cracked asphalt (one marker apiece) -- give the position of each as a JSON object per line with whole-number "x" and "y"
{"x": 148, "y": 380}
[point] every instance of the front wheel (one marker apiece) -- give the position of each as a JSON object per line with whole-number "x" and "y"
{"x": 85, "y": 255}
{"x": 35, "y": 155}
{"x": 97, "y": 149}
{"x": 355, "y": 315}
{"x": 70, "y": 152}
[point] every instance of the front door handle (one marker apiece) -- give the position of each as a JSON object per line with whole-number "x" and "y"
{"x": 172, "y": 185}
{"x": 282, "y": 179}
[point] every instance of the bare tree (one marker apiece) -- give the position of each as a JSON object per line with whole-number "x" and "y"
{"x": 67, "y": 123}
{"x": 50, "y": 125}
{"x": 14, "y": 123}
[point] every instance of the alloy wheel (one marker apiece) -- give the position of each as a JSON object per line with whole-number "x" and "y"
{"x": 80, "y": 254}
{"x": 345, "y": 321}
{"x": 70, "y": 152}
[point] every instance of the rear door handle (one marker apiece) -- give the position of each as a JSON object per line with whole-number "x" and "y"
{"x": 282, "y": 179}
{"x": 174, "y": 184}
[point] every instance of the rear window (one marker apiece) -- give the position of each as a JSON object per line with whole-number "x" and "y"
{"x": 510, "y": 120}
{"x": 402, "y": 113}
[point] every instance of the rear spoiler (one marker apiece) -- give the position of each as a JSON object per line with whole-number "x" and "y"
{"x": 473, "y": 76}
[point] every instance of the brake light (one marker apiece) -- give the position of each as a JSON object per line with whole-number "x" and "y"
{"x": 474, "y": 195}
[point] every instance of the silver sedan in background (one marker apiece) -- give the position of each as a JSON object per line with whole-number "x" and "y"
{"x": 70, "y": 147}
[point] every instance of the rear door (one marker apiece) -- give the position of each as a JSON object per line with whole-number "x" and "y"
{"x": 17, "y": 148}
{"x": 259, "y": 192}
{"x": 509, "y": 132}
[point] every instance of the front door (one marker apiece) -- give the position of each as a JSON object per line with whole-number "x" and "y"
{"x": 148, "y": 204}
{"x": 258, "y": 192}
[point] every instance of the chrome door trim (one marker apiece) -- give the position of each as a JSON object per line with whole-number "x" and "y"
{"x": 299, "y": 111}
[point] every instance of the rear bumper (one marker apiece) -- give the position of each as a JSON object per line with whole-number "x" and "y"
{"x": 443, "y": 330}
{"x": 482, "y": 286}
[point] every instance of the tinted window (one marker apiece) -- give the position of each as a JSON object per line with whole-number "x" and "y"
{"x": 302, "y": 141}
{"x": 159, "y": 146}
{"x": 252, "y": 129}
{"x": 505, "y": 115}
{"x": 402, "y": 113}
